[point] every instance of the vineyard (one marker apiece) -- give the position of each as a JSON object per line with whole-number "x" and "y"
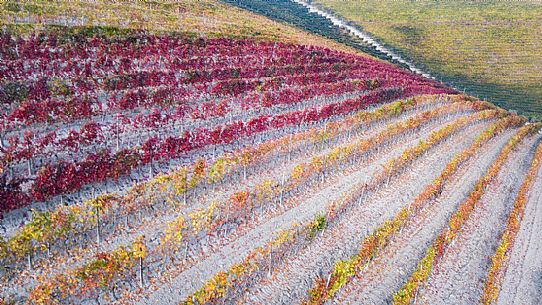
{"x": 144, "y": 167}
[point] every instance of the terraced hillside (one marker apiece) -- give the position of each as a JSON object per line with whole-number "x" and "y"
{"x": 490, "y": 48}
{"x": 195, "y": 18}
{"x": 148, "y": 167}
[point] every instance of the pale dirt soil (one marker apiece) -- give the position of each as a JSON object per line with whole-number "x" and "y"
{"x": 460, "y": 274}
{"x": 391, "y": 268}
{"x": 16, "y": 218}
{"x": 152, "y": 225}
{"x": 522, "y": 282}
{"x": 190, "y": 280}
{"x": 292, "y": 281}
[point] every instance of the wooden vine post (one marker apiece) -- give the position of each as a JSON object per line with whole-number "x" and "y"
{"x": 117, "y": 134}
{"x": 99, "y": 204}
{"x": 290, "y": 148}
{"x": 245, "y": 158}
{"x": 140, "y": 252}
{"x": 323, "y": 140}
{"x": 97, "y": 225}
{"x": 270, "y": 260}
{"x": 281, "y": 189}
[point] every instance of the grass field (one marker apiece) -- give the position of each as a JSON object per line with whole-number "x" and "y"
{"x": 206, "y": 18}
{"x": 490, "y": 47}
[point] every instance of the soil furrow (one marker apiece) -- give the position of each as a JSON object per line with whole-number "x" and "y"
{"x": 459, "y": 277}
{"x": 291, "y": 283}
{"x": 155, "y": 224}
{"x": 190, "y": 280}
{"x": 13, "y": 219}
{"x": 390, "y": 269}
{"x": 522, "y": 282}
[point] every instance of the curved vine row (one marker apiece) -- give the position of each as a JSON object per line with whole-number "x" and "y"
{"x": 501, "y": 256}
{"x": 456, "y": 221}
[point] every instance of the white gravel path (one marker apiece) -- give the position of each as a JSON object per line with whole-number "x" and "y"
{"x": 462, "y": 270}
{"x": 388, "y": 272}
{"x": 291, "y": 283}
{"x": 522, "y": 282}
{"x": 355, "y": 31}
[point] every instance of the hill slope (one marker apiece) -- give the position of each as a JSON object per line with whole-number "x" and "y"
{"x": 221, "y": 164}
{"x": 491, "y": 48}
{"x": 205, "y": 18}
